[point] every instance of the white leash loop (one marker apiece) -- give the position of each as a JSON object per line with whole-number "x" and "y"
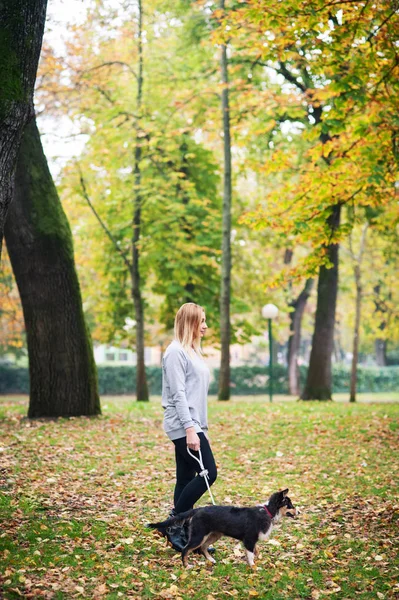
{"x": 204, "y": 472}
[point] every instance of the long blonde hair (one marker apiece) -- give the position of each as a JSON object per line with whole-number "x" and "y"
{"x": 187, "y": 324}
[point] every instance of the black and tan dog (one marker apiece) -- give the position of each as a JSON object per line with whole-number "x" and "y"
{"x": 209, "y": 523}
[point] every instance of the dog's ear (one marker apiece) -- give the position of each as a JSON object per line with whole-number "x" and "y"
{"x": 284, "y": 492}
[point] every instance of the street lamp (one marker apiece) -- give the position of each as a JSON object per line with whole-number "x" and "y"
{"x": 270, "y": 311}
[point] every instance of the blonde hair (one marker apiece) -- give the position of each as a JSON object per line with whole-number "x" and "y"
{"x": 187, "y": 323}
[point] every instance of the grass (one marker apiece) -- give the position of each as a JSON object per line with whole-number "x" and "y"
{"x": 75, "y": 496}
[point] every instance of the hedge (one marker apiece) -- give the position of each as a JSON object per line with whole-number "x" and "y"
{"x": 245, "y": 380}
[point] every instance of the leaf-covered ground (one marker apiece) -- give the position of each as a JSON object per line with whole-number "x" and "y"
{"x": 75, "y": 496}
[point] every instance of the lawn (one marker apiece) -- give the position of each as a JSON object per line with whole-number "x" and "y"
{"x": 75, "y": 496}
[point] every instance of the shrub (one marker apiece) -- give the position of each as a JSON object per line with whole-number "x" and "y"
{"x": 245, "y": 380}
{"x": 14, "y": 380}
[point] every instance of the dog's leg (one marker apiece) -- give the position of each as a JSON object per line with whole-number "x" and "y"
{"x": 250, "y": 558}
{"x": 196, "y": 540}
{"x": 210, "y": 539}
{"x": 250, "y": 547}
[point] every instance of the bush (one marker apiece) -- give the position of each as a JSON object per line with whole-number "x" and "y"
{"x": 248, "y": 380}
{"x": 245, "y": 380}
{"x": 122, "y": 380}
{"x": 369, "y": 379}
{"x": 14, "y": 380}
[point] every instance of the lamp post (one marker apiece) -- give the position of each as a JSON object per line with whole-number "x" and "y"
{"x": 269, "y": 312}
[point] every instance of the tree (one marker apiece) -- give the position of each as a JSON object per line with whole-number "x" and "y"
{"x": 171, "y": 185}
{"x": 298, "y": 307}
{"x": 357, "y": 272}
{"x": 141, "y": 378}
{"x": 21, "y": 34}
{"x": 12, "y": 332}
{"x": 224, "y": 376}
{"x": 61, "y": 364}
{"x": 308, "y": 45}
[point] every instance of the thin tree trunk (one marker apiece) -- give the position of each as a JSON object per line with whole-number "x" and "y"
{"x": 294, "y": 340}
{"x": 356, "y": 331}
{"x": 225, "y": 327}
{"x": 319, "y": 377}
{"x": 381, "y": 352}
{"x": 21, "y": 34}
{"x": 189, "y": 287}
{"x": 61, "y": 365}
{"x": 380, "y": 342}
{"x": 359, "y": 296}
{"x": 141, "y": 379}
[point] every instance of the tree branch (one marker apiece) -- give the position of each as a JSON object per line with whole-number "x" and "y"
{"x": 105, "y": 94}
{"x": 101, "y": 222}
{"x": 290, "y": 77}
{"x": 188, "y": 101}
{"x": 110, "y": 64}
{"x": 374, "y": 33}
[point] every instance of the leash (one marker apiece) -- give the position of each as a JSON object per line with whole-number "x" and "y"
{"x": 204, "y": 472}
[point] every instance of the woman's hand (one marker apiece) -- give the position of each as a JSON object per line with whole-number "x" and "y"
{"x": 193, "y": 441}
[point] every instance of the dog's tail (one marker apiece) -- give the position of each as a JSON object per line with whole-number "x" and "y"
{"x": 177, "y": 519}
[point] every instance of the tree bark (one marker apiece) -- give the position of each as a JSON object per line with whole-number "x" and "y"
{"x": 141, "y": 378}
{"x": 381, "y": 352}
{"x": 357, "y": 262}
{"x": 294, "y": 340}
{"x": 319, "y": 377}
{"x": 225, "y": 326}
{"x": 61, "y": 365}
{"x": 21, "y": 34}
{"x": 380, "y": 342}
{"x": 356, "y": 331}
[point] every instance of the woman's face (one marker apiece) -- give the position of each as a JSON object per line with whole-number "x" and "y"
{"x": 203, "y": 326}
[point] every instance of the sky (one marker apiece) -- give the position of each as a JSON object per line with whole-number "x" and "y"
{"x": 59, "y": 147}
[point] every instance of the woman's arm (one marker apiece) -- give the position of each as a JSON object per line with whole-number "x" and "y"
{"x": 193, "y": 441}
{"x": 175, "y": 370}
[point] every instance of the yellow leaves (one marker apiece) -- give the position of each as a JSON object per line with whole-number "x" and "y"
{"x": 128, "y": 541}
{"x": 171, "y": 592}
{"x": 80, "y": 589}
{"x": 100, "y": 590}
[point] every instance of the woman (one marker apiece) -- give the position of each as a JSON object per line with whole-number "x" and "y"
{"x": 185, "y": 383}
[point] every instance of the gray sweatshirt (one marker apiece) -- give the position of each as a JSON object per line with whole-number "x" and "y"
{"x": 185, "y": 383}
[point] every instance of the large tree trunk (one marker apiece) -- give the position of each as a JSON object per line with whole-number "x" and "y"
{"x": 294, "y": 340}
{"x": 61, "y": 364}
{"x": 141, "y": 379}
{"x": 21, "y": 34}
{"x": 224, "y": 376}
{"x": 319, "y": 377}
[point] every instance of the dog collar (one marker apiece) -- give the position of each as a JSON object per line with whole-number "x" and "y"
{"x": 268, "y": 511}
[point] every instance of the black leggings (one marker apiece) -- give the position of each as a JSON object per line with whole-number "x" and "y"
{"x": 189, "y": 485}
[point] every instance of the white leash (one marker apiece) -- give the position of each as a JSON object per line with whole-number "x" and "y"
{"x": 204, "y": 472}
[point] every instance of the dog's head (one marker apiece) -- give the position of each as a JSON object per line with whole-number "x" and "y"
{"x": 281, "y": 505}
